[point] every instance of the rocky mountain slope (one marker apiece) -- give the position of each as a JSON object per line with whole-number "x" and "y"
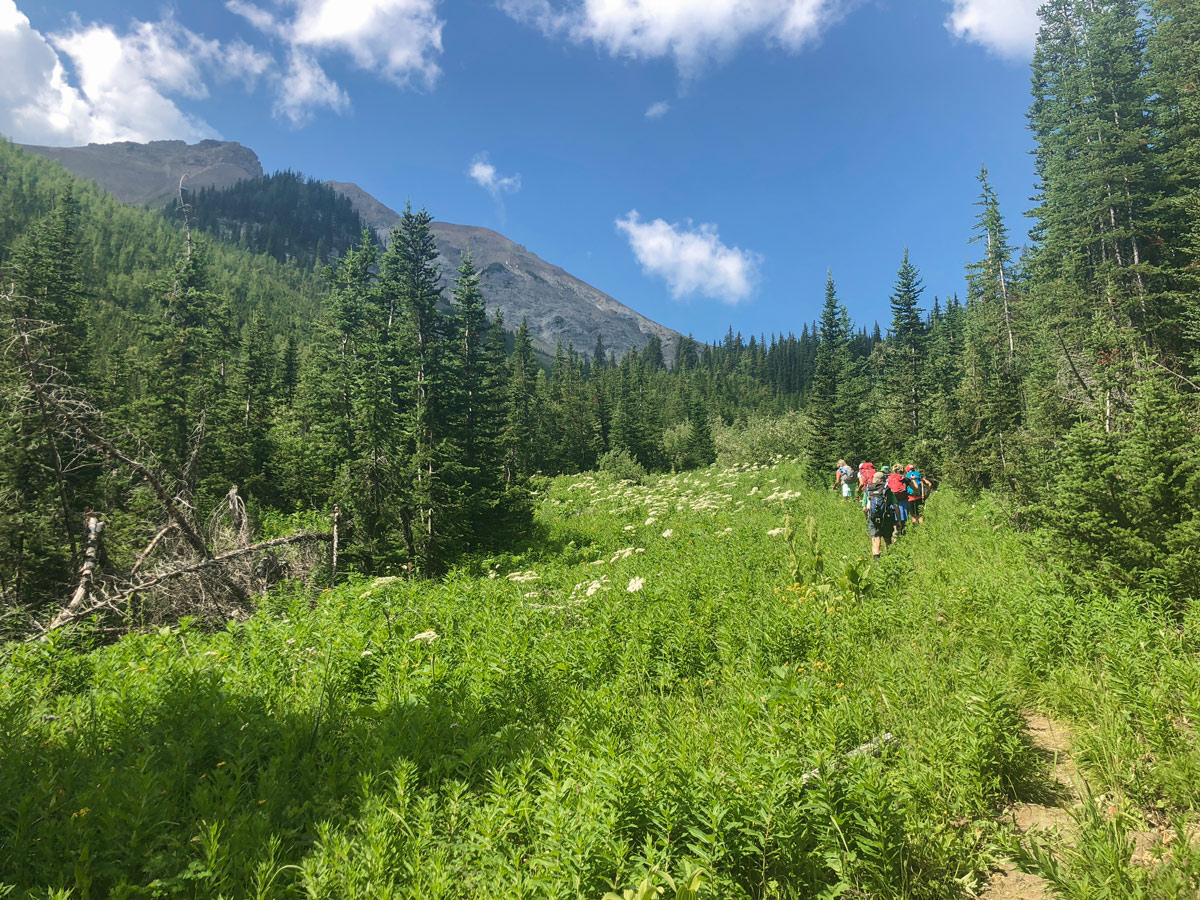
{"x": 556, "y": 304}
{"x": 148, "y": 174}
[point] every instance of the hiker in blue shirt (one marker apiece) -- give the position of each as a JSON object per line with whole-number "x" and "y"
{"x": 918, "y": 491}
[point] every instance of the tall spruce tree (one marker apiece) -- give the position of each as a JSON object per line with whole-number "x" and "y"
{"x": 990, "y": 391}
{"x": 432, "y": 459}
{"x": 479, "y": 412}
{"x": 1175, "y": 73}
{"x": 827, "y": 418}
{"x": 184, "y": 374}
{"x": 521, "y": 425}
{"x": 44, "y": 354}
{"x": 904, "y": 361}
{"x": 1090, "y": 116}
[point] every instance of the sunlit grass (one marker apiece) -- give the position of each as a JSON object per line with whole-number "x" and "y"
{"x": 646, "y": 691}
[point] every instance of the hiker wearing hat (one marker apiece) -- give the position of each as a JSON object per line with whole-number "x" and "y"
{"x": 918, "y": 491}
{"x": 879, "y": 505}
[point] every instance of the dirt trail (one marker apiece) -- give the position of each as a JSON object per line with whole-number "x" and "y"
{"x": 1049, "y": 810}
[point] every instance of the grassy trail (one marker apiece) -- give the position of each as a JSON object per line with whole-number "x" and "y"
{"x": 643, "y": 692}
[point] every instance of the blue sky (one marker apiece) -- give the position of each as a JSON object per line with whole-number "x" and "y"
{"x": 703, "y": 161}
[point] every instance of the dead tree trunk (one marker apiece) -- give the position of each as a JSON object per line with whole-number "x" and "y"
{"x": 87, "y": 573}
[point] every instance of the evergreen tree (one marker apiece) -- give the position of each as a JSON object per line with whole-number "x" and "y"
{"x": 904, "y": 361}
{"x": 520, "y": 431}
{"x": 188, "y": 358}
{"x": 44, "y": 353}
{"x": 827, "y": 418}
{"x": 478, "y": 418}
{"x": 432, "y": 474}
{"x": 990, "y": 392}
{"x": 1175, "y": 72}
{"x": 250, "y": 450}
{"x": 1090, "y": 116}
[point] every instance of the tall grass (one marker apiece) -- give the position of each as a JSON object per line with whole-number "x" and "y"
{"x": 668, "y": 680}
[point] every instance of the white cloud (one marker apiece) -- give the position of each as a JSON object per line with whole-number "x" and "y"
{"x": 241, "y": 60}
{"x": 125, "y": 82}
{"x": 304, "y": 88}
{"x": 658, "y": 110}
{"x": 398, "y": 39}
{"x": 692, "y": 259}
{"x": 483, "y": 173}
{"x": 692, "y": 32}
{"x": 1006, "y": 27}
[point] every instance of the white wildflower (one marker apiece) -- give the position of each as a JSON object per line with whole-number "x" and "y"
{"x": 668, "y": 532}
{"x": 650, "y": 521}
{"x": 523, "y": 576}
{"x": 368, "y": 653}
{"x": 635, "y": 584}
{"x": 427, "y": 637}
{"x": 775, "y": 531}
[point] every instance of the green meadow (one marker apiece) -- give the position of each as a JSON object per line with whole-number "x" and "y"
{"x": 666, "y": 686}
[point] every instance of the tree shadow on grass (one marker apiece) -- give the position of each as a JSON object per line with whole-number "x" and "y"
{"x": 186, "y": 787}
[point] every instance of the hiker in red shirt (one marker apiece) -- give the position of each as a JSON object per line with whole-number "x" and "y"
{"x": 897, "y": 485}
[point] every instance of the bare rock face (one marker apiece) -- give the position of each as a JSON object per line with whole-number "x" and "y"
{"x": 148, "y": 174}
{"x": 556, "y": 304}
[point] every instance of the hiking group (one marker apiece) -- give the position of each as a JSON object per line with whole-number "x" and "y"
{"x": 891, "y": 498}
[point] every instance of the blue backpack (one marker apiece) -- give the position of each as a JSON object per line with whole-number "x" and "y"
{"x": 918, "y": 488}
{"x": 877, "y": 508}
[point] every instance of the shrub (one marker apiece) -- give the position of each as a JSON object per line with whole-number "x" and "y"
{"x": 760, "y": 440}
{"x": 619, "y": 463}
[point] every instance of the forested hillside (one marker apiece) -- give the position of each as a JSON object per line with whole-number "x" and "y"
{"x": 1065, "y": 380}
{"x": 284, "y": 215}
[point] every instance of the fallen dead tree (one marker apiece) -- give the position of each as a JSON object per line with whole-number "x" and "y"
{"x": 207, "y": 568}
{"x": 89, "y": 600}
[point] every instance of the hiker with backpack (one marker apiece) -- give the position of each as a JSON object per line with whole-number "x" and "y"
{"x": 899, "y": 488}
{"x": 918, "y": 493}
{"x": 843, "y": 477}
{"x": 866, "y": 473}
{"x": 879, "y": 504}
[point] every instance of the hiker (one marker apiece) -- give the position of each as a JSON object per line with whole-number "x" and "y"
{"x": 918, "y": 492}
{"x": 899, "y": 489}
{"x": 879, "y": 504}
{"x": 842, "y": 477}
{"x": 866, "y": 472}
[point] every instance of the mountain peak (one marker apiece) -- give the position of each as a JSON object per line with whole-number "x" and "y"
{"x": 148, "y": 174}
{"x": 557, "y": 305}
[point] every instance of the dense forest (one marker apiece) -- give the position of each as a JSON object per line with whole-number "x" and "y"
{"x": 284, "y": 215}
{"x": 1065, "y": 381}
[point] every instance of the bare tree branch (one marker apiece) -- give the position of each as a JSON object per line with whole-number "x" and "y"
{"x": 71, "y": 614}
